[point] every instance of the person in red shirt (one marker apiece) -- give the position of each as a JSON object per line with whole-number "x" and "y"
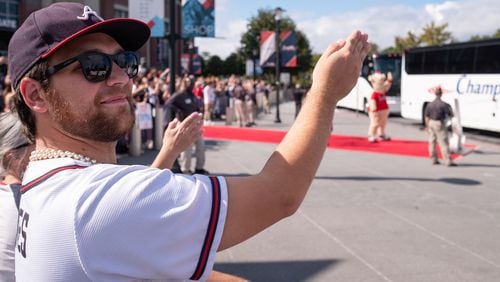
{"x": 378, "y": 110}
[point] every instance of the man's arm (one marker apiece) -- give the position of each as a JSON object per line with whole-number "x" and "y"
{"x": 258, "y": 201}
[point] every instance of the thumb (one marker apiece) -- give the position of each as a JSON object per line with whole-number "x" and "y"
{"x": 334, "y": 47}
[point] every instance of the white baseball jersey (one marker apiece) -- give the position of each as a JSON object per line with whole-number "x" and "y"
{"x": 8, "y": 230}
{"x": 109, "y": 222}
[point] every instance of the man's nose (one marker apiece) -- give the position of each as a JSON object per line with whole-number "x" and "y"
{"x": 118, "y": 75}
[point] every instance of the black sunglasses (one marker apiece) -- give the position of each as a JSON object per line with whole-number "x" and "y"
{"x": 97, "y": 66}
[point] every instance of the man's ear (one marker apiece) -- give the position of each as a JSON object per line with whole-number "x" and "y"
{"x": 33, "y": 94}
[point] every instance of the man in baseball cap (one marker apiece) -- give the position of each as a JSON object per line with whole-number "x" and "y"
{"x": 82, "y": 217}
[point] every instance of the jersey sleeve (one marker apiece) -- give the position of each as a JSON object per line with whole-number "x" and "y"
{"x": 150, "y": 224}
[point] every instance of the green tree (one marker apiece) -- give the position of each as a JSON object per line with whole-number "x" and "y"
{"x": 433, "y": 34}
{"x": 496, "y": 34}
{"x": 477, "y": 37}
{"x": 483, "y": 37}
{"x": 374, "y": 49}
{"x": 214, "y": 66}
{"x": 402, "y": 43}
{"x": 234, "y": 64}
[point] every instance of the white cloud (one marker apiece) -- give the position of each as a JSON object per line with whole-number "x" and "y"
{"x": 382, "y": 23}
{"x": 479, "y": 17}
{"x": 438, "y": 11}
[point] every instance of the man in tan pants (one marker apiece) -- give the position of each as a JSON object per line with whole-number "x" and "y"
{"x": 436, "y": 114}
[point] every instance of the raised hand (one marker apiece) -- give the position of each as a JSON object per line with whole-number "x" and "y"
{"x": 338, "y": 68}
{"x": 180, "y": 135}
{"x": 177, "y": 138}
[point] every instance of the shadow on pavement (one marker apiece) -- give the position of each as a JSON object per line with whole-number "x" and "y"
{"x": 277, "y": 270}
{"x": 455, "y": 181}
{"x": 481, "y": 152}
{"x": 477, "y": 165}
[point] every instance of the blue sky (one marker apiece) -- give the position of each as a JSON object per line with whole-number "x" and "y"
{"x": 325, "y": 21}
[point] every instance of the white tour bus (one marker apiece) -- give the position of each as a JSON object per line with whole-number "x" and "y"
{"x": 469, "y": 74}
{"x": 359, "y": 96}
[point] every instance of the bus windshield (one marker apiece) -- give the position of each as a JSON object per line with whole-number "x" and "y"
{"x": 390, "y": 63}
{"x": 385, "y": 63}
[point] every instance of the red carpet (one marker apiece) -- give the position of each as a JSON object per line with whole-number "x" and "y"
{"x": 343, "y": 142}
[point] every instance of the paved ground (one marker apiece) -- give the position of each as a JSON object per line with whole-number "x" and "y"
{"x": 373, "y": 217}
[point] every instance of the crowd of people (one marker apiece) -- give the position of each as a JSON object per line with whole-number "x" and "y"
{"x": 215, "y": 96}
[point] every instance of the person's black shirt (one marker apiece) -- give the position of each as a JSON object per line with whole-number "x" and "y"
{"x": 183, "y": 104}
{"x": 438, "y": 110}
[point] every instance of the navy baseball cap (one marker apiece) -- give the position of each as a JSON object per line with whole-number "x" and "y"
{"x": 48, "y": 29}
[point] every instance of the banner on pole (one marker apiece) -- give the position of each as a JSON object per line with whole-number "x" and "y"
{"x": 198, "y": 18}
{"x": 196, "y": 65}
{"x": 288, "y": 42}
{"x": 267, "y": 49}
{"x": 150, "y": 12}
{"x": 288, "y": 49}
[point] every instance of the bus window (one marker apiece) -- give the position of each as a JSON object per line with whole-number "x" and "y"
{"x": 488, "y": 59}
{"x": 435, "y": 62}
{"x": 413, "y": 62}
{"x": 461, "y": 60}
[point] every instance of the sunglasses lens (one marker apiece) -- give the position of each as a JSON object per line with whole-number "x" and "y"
{"x": 96, "y": 67}
{"x": 129, "y": 62}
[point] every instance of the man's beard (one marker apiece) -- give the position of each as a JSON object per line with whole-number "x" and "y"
{"x": 93, "y": 122}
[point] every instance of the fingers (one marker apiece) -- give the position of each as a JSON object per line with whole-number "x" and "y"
{"x": 172, "y": 124}
{"x": 353, "y": 41}
{"x": 357, "y": 44}
{"x": 361, "y": 43}
{"x": 191, "y": 119}
{"x": 192, "y": 125}
{"x": 366, "y": 47}
{"x": 334, "y": 47}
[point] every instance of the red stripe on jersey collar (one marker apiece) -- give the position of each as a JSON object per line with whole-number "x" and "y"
{"x": 44, "y": 177}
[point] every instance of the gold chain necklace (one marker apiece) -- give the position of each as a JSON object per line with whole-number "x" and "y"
{"x": 45, "y": 154}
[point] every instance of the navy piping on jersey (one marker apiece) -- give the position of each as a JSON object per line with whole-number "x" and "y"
{"x": 33, "y": 183}
{"x": 212, "y": 228}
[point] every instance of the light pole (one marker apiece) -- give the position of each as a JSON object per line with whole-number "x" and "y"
{"x": 277, "y": 17}
{"x": 191, "y": 52}
{"x": 172, "y": 39}
{"x": 254, "y": 59}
